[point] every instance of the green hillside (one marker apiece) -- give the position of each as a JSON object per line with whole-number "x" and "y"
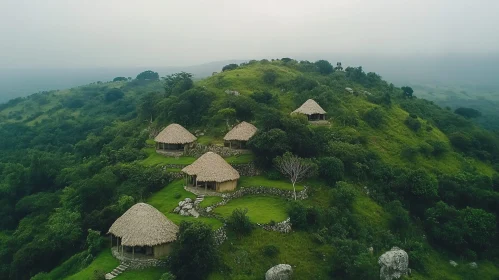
{"x": 388, "y": 169}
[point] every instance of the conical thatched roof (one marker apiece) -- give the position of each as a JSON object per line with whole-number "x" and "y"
{"x": 310, "y": 107}
{"x": 211, "y": 167}
{"x": 241, "y": 132}
{"x": 144, "y": 225}
{"x": 175, "y": 134}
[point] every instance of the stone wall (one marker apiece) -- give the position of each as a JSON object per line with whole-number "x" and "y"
{"x": 200, "y": 150}
{"x": 247, "y": 169}
{"x": 220, "y": 235}
{"x": 139, "y": 263}
{"x": 283, "y": 227}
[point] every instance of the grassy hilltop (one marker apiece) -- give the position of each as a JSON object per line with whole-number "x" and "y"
{"x": 392, "y": 170}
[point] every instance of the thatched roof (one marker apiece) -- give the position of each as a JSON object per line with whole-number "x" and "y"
{"x": 310, "y": 107}
{"x": 144, "y": 225}
{"x": 211, "y": 167}
{"x": 241, "y": 132}
{"x": 175, "y": 134}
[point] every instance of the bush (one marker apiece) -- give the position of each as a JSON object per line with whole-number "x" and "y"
{"x": 468, "y": 112}
{"x": 324, "y": 67}
{"x": 439, "y": 147}
{"x": 331, "y": 168}
{"x": 94, "y": 242}
{"x": 269, "y": 77}
{"x": 118, "y": 79}
{"x": 426, "y": 149}
{"x": 239, "y": 223}
{"x": 167, "y": 276}
{"x": 343, "y": 195}
{"x": 98, "y": 274}
{"x": 270, "y": 250}
{"x": 229, "y": 67}
{"x": 374, "y": 117}
{"x": 413, "y": 124}
{"x": 399, "y": 217}
{"x": 113, "y": 95}
{"x": 298, "y": 215}
{"x": 409, "y": 153}
{"x": 273, "y": 174}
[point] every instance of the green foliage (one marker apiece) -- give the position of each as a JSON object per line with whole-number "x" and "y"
{"x": 229, "y": 67}
{"x": 374, "y": 117}
{"x": 167, "y": 276}
{"x": 439, "y": 147}
{"x": 413, "y": 123}
{"x": 194, "y": 254}
{"x": 298, "y": 215}
{"x": 120, "y": 79}
{"x": 177, "y": 83}
{"x": 331, "y": 169}
{"x": 352, "y": 261}
{"x": 399, "y": 217}
{"x": 239, "y": 223}
{"x": 270, "y": 251}
{"x": 148, "y": 75}
{"x": 343, "y": 195}
{"x": 408, "y": 91}
{"x": 324, "y": 67}
{"x": 269, "y": 77}
{"x": 113, "y": 95}
{"x": 468, "y": 113}
{"x": 94, "y": 242}
{"x": 266, "y": 145}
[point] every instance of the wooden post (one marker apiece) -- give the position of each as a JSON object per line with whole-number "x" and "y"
{"x": 133, "y": 252}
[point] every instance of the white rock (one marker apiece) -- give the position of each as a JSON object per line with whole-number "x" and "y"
{"x": 453, "y": 263}
{"x": 279, "y": 272}
{"x": 187, "y": 206}
{"x": 208, "y": 209}
{"x": 473, "y": 265}
{"x": 193, "y": 213}
{"x": 394, "y": 264}
{"x": 349, "y": 90}
{"x": 181, "y": 203}
{"x": 176, "y": 210}
{"x": 184, "y": 213}
{"x": 188, "y": 200}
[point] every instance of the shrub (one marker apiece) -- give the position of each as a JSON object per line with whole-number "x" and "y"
{"x": 324, "y": 67}
{"x": 94, "y": 242}
{"x": 468, "y": 112}
{"x": 409, "y": 153}
{"x": 269, "y": 77}
{"x": 399, "y": 217}
{"x": 439, "y": 147}
{"x": 426, "y": 149}
{"x": 331, "y": 168}
{"x": 374, "y": 117}
{"x": 98, "y": 274}
{"x": 167, "y": 276}
{"x": 273, "y": 174}
{"x": 239, "y": 223}
{"x": 343, "y": 195}
{"x": 113, "y": 95}
{"x": 270, "y": 250}
{"x": 229, "y": 67}
{"x": 413, "y": 124}
{"x": 298, "y": 215}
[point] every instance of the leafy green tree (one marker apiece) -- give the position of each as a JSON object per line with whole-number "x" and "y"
{"x": 439, "y": 147}
{"x": 194, "y": 254}
{"x": 239, "y": 222}
{"x": 408, "y": 91}
{"x": 148, "y": 75}
{"x": 399, "y": 217}
{"x": 332, "y": 169}
{"x": 119, "y": 79}
{"x": 468, "y": 113}
{"x": 113, "y": 95}
{"x": 413, "y": 123}
{"x": 298, "y": 215}
{"x": 177, "y": 83}
{"x": 269, "y": 144}
{"x": 481, "y": 226}
{"x": 264, "y": 97}
{"x": 343, "y": 195}
{"x": 324, "y": 67}
{"x": 147, "y": 108}
{"x": 167, "y": 276}
{"x": 94, "y": 242}
{"x": 229, "y": 67}
{"x": 269, "y": 77}
{"x": 374, "y": 117}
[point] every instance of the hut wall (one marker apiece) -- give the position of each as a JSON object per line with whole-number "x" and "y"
{"x": 227, "y": 186}
{"x": 162, "y": 250}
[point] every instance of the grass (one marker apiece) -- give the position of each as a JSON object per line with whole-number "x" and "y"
{"x": 261, "y": 209}
{"x": 167, "y": 199}
{"x": 258, "y": 181}
{"x": 153, "y": 273}
{"x": 210, "y": 200}
{"x": 154, "y": 159}
{"x": 104, "y": 262}
{"x": 245, "y": 259}
{"x": 209, "y": 140}
{"x": 240, "y": 159}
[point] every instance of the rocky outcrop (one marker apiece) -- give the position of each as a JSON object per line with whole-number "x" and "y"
{"x": 279, "y": 272}
{"x": 394, "y": 264}
{"x": 187, "y": 207}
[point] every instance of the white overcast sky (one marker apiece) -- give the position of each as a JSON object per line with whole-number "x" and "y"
{"x": 126, "y": 33}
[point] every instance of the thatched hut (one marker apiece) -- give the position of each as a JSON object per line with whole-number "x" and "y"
{"x": 211, "y": 171}
{"x": 238, "y": 136}
{"x": 174, "y": 138}
{"x": 312, "y": 110}
{"x": 143, "y": 230}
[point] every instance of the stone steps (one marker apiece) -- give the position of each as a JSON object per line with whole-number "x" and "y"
{"x": 116, "y": 272}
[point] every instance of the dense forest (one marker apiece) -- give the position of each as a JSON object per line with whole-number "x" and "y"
{"x": 392, "y": 170}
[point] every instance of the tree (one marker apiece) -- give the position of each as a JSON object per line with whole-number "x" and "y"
{"x": 118, "y": 79}
{"x": 343, "y": 195}
{"x": 113, "y": 95}
{"x": 413, "y": 123}
{"x": 468, "y": 113}
{"x": 324, "y": 67}
{"x": 295, "y": 168}
{"x": 147, "y": 106}
{"x": 228, "y": 114}
{"x": 374, "y": 117}
{"x": 177, "y": 83}
{"x": 269, "y": 144}
{"x": 331, "y": 168}
{"x": 194, "y": 254}
{"x": 269, "y": 77}
{"x": 148, "y": 75}
{"x": 239, "y": 223}
{"x": 408, "y": 91}
{"x": 229, "y": 67}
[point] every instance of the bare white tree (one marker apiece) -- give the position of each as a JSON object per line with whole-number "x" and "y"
{"x": 295, "y": 168}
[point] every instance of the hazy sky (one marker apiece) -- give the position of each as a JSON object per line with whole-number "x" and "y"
{"x": 126, "y": 33}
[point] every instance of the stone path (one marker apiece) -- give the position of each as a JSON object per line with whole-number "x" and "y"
{"x": 117, "y": 271}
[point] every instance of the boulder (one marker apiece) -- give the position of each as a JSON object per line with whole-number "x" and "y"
{"x": 349, "y": 90}
{"x": 394, "y": 264}
{"x": 187, "y": 206}
{"x": 184, "y": 213}
{"x": 208, "y": 209}
{"x": 176, "y": 210}
{"x": 181, "y": 203}
{"x": 188, "y": 200}
{"x": 279, "y": 272}
{"x": 453, "y": 263}
{"x": 193, "y": 213}
{"x": 473, "y": 265}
